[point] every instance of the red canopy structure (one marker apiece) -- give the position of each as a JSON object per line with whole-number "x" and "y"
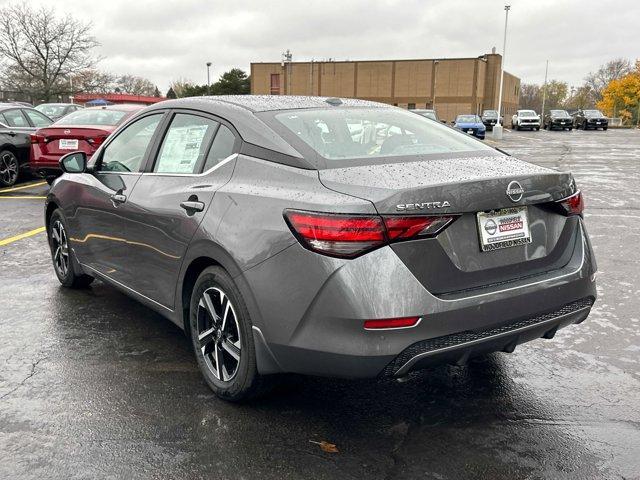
{"x": 117, "y": 98}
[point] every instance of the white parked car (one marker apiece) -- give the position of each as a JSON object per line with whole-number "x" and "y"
{"x": 525, "y": 119}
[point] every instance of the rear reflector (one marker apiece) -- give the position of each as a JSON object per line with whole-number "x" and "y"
{"x": 348, "y": 236}
{"x": 391, "y": 323}
{"x": 573, "y": 205}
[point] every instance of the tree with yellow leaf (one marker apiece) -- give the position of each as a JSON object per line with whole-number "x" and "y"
{"x": 621, "y": 97}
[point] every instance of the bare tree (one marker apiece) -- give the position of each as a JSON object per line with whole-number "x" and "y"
{"x": 180, "y": 86}
{"x": 41, "y": 50}
{"x": 530, "y": 96}
{"x": 92, "y": 81}
{"x": 135, "y": 85}
{"x": 612, "y": 70}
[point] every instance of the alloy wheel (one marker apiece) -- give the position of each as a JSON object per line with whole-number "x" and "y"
{"x": 60, "y": 248}
{"x": 8, "y": 168}
{"x": 219, "y": 334}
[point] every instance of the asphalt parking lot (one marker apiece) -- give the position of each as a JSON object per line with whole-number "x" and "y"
{"x": 94, "y": 385}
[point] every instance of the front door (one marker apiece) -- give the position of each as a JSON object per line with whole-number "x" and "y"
{"x": 97, "y": 232}
{"x": 169, "y": 202}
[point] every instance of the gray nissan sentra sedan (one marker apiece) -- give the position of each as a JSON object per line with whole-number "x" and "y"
{"x": 322, "y": 236}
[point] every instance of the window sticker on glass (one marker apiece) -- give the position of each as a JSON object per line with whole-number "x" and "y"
{"x": 184, "y": 145}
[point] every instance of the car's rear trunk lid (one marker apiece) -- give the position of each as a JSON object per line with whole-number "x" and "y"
{"x": 454, "y": 260}
{"x": 61, "y": 140}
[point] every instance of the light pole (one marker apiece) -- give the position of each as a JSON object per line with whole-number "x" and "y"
{"x": 435, "y": 81}
{"x": 208, "y": 77}
{"x": 497, "y": 130}
{"x": 544, "y": 90}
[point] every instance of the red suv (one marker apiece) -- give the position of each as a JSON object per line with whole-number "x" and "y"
{"x": 84, "y": 130}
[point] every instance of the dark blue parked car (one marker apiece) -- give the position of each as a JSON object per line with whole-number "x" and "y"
{"x": 471, "y": 124}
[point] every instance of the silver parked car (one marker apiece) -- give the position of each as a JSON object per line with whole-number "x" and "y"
{"x": 322, "y": 236}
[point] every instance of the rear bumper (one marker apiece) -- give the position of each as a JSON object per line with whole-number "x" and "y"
{"x": 459, "y": 347}
{"x": 317, "y": 328}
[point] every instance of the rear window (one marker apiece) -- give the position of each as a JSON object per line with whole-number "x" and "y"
{"x": 467, "y": 119}
{"x": 51, "y": 110}
{"x": 356, "y": 133}
{"x": 93, "y": 117}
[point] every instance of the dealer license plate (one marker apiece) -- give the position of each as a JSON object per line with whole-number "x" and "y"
{"x": 504, "y": 228}
{"x": 68, "y": 144}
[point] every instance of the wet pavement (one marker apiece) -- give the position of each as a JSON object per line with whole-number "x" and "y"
{"x": 94, "y": 385}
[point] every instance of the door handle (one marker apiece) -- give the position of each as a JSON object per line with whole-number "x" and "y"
{"x": 11, "y": 133}
{"x": 192, "y": 206}
{"x": 118, "y": 198}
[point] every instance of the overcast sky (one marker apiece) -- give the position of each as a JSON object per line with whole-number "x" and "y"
{"x": 167, "y": 40}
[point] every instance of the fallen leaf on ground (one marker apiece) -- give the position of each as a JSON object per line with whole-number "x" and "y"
{"x": 326, "y": 446}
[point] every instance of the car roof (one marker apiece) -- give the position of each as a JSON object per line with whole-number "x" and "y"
{"x": 243, "y": 112}
{"x": 126, "y": 107}
{"x": 57, "y": 103}
{"x": 265, "y": 103}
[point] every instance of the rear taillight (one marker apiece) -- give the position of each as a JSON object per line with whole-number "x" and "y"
{"x": 96, "y": 141}
{"x": 336, "y": 235}
{"x": 573, "y": 205}
{"x": 403, "y": 228}
{"x": 348, "y": 236}
{"x": 37, "y": 138}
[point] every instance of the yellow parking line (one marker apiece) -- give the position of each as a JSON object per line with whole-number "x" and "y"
{"x": 22, "y": 187}
{"x": 30, "y": 233}
{"x": 20, "y": 196}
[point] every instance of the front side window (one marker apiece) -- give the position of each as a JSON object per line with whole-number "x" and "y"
{"x": 15, "y": 118}
{"x": 185, "y": 145}
{"x": 127, "y": 151}
{"x": 38, "y": 119}
{"x": 351, "y": 133}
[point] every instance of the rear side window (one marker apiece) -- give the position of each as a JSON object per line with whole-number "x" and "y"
{"x": 38, "y": 119}
{"x": 15, "y": 118}
{"x": 185, "y": 145}
{"x": 222, "y": 147}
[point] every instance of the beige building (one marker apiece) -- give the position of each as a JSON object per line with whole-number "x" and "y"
{"x": 453, "y": 85}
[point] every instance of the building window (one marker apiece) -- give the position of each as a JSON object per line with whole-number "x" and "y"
{"x": 275, "y": 84}
{"x": 412, "y": 106}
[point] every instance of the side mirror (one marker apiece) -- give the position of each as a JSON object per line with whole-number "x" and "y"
{"x": 74, "y": 162}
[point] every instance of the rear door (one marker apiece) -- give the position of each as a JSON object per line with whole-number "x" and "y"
{"x": 194, "y": 158}
{"x": 97, "y": 226}
{"x": 16, "y": 133}
{"x": 37, "y": 119}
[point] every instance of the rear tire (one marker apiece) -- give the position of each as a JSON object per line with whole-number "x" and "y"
{"x": 222, "y": 337}
{"x": 9, "y": 168}
{"x": 64, "y": 263}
